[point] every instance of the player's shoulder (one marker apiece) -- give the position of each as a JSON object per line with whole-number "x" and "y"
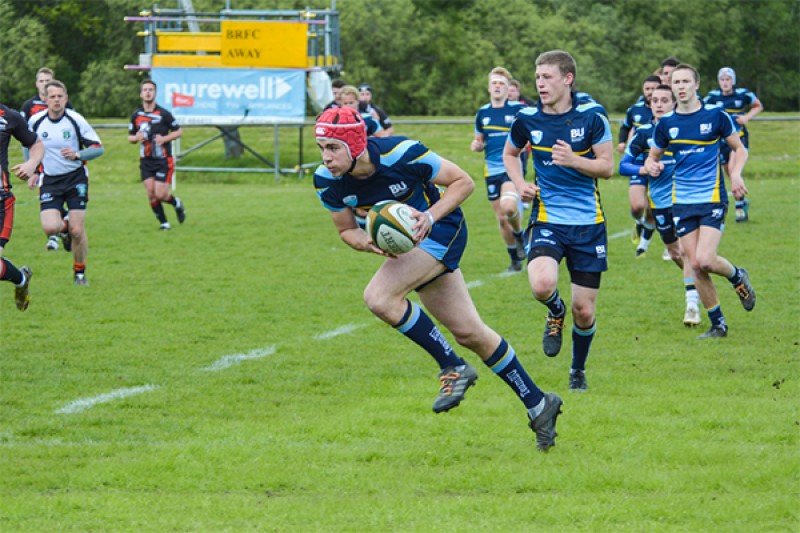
{"x": 645, "y": 129}
{"x": 516, "y": 105}
{"x": 715, "y": 93}
{"x": 38, "y": 116}
{"x": 485, "y": 107}
{"x": 71, "y": 113}
{"x": 741, "y": 91}
{"x": 528, "y": 111}
{"x": 7, "y": 111}
{"x": 323, "y": 177}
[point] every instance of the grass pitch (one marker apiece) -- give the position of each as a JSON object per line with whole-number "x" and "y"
{"x": 226, "y": 376}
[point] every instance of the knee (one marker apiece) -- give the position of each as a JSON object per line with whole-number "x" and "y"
{"x": 382, "y": 306}
{"x": 543, "y": 287}
{"x": 583, "y": 314}
{"x": 703, "y": 263}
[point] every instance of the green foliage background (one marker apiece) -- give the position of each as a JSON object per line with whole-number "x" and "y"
{"x": 430, "y": 57}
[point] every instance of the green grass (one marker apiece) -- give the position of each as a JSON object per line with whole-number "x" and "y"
{"x": 336, "y": 434}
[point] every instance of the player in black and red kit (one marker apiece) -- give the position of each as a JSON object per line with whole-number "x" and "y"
{"x": 155, "y": 128}
{"x": 12, "y": 124}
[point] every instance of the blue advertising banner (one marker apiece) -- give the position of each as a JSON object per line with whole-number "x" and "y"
{"x": 231, "y": 96}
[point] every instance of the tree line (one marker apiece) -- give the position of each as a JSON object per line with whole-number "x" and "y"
{"x": 431, "y": 57}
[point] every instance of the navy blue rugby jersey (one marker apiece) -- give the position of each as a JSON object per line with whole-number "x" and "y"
{"x": 566, "y": 196}
{"x": 659, "y": 189}
{"x": 404, "y": 170}
{"x": 735, "y": 104}
{"x": 694, "y": 139}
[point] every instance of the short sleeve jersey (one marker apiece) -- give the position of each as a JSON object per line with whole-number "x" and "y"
{"x": 637, "y": 115}
{"x": 69, "y": 131}
{"x": 659, "y": 188}
{"x": 12, "y": 124}
{"x": 735, "y": 104}
{"x": 694, "y": 139}
{"x": 157, "y": 122}
{"x": 404, "y": 170}
{"x": 494, "y": 123}
{"x": 566, "y": 196}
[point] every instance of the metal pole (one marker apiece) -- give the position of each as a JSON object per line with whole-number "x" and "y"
{"x": 277, "y": 163}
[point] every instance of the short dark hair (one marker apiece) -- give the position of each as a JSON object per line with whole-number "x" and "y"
{"x": 148, "y": 81}
{"x": 338, "y": 84}
{"x": 663, "y": 87}
{"x": 57, "y": 84}
{"x": 686, "y": 66}
{"x": 561, "y": 59}
{"x": 671, "y": 61}
{"x": 652, "y": 79}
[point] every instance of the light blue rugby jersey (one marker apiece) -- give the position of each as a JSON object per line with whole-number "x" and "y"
{"x": 494, "y": 123}
{"x": 660, "y": 188}
{"x": 404, "y": 170}
{"x": 566, "y": 196}
{"x": 638, "y": 115}
{"x": 694, "y": 140}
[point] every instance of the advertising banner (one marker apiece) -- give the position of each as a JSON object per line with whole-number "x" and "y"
{"x": 232, "y": 96}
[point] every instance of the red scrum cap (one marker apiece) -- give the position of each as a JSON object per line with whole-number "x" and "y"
{"x": 344, "y": 125}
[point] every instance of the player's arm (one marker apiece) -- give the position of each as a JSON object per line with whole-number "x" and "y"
{"x": 756, "y": 107}
{"x": 511, "y": 161}
{"x": 352, "y": 235}
{"x": 624, "y": 135}
{"x": 459, "y": 186}
{"x": 602, "y": 166}
{"x": 28, "y": 169}
{"x": 478, "y": 142}
{"x": 736, "y": 164}
{"x": 168, "y": 138}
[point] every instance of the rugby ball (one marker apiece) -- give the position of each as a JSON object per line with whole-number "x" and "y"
{"x": 389, "y": 226}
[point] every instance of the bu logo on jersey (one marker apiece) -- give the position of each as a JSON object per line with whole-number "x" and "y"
{"x": 705, "y": 129}
{"x": 577, "y": 134}
{"x": 673, "y": 133}
{"x": 536, "y": 136}
{"x": 398, "y": 189}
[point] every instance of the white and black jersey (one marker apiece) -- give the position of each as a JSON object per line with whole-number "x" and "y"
{"x": 69, "y": 131}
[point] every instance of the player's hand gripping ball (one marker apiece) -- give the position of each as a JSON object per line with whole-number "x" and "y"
{"x": 389, "y": 226}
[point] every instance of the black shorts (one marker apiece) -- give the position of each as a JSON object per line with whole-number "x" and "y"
{"x": 160, "y": 169}
{"x": 71, "y": 188}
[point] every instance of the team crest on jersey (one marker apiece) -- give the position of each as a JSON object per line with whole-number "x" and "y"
{"x": 492, "y": 189}
{"x": 546, "y": 233}
{"x": 66, "y": 134}
{"x": 485, "y": 121}
{"x": 637, "y": 118}
{"x": 509, "y": 119}
{"x": 705, "y": 129}
{"x": 350, "y": 201}
{"x": 737, "y": 103}
{"x": 398, "y": 189}
{"x": 536, "y": 135}
{"x": 673, "y": 133}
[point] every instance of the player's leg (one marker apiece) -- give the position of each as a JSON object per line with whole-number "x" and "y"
{"x": 164, "y": 188}
{"x": 705, "y": 286}
{"x": 637, "y": 197}
{"x": 80, "y": 244}
{"x": 20, "y": 277}
{"x": 708, "y": 260}
{"x": 494, "y": 189}
{"x": 448, "y": 299}
{"x": 543, "y": 279}
{"x": 511, "y": 208}
{"x": 154, "y": 201}
{"x": 585, "y": 286}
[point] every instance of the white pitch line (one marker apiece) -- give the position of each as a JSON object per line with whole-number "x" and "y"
{"x": 341, "y": 330}
{"x": 85, "y": 403}
{"x": 620, "y": 234}
{"x": 473, "y": 284}
{"x": 235, "y": 359}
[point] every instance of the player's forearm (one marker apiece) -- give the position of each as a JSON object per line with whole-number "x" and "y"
{"x": 595, "y": 168}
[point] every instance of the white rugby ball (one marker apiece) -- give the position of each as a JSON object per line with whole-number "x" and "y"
{"x": 389, "y": 226}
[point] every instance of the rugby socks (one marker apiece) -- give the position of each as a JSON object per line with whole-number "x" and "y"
{"x": 506, "y": 365}
{"x": 9, "y": 272}
{"x": 581, "y": 342}
{"x": 158, "y": 209}
{"x": 736, "y": 276}
{"x": 692, "y": 296}
{"x": 512, "y": 252}
{"x": 555, "y": 305}
{"x": 716, "y": 318}
{"x": 79, "y": 268}
{"x": 172, "y": 201}
{"x": 418, "y": 326}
